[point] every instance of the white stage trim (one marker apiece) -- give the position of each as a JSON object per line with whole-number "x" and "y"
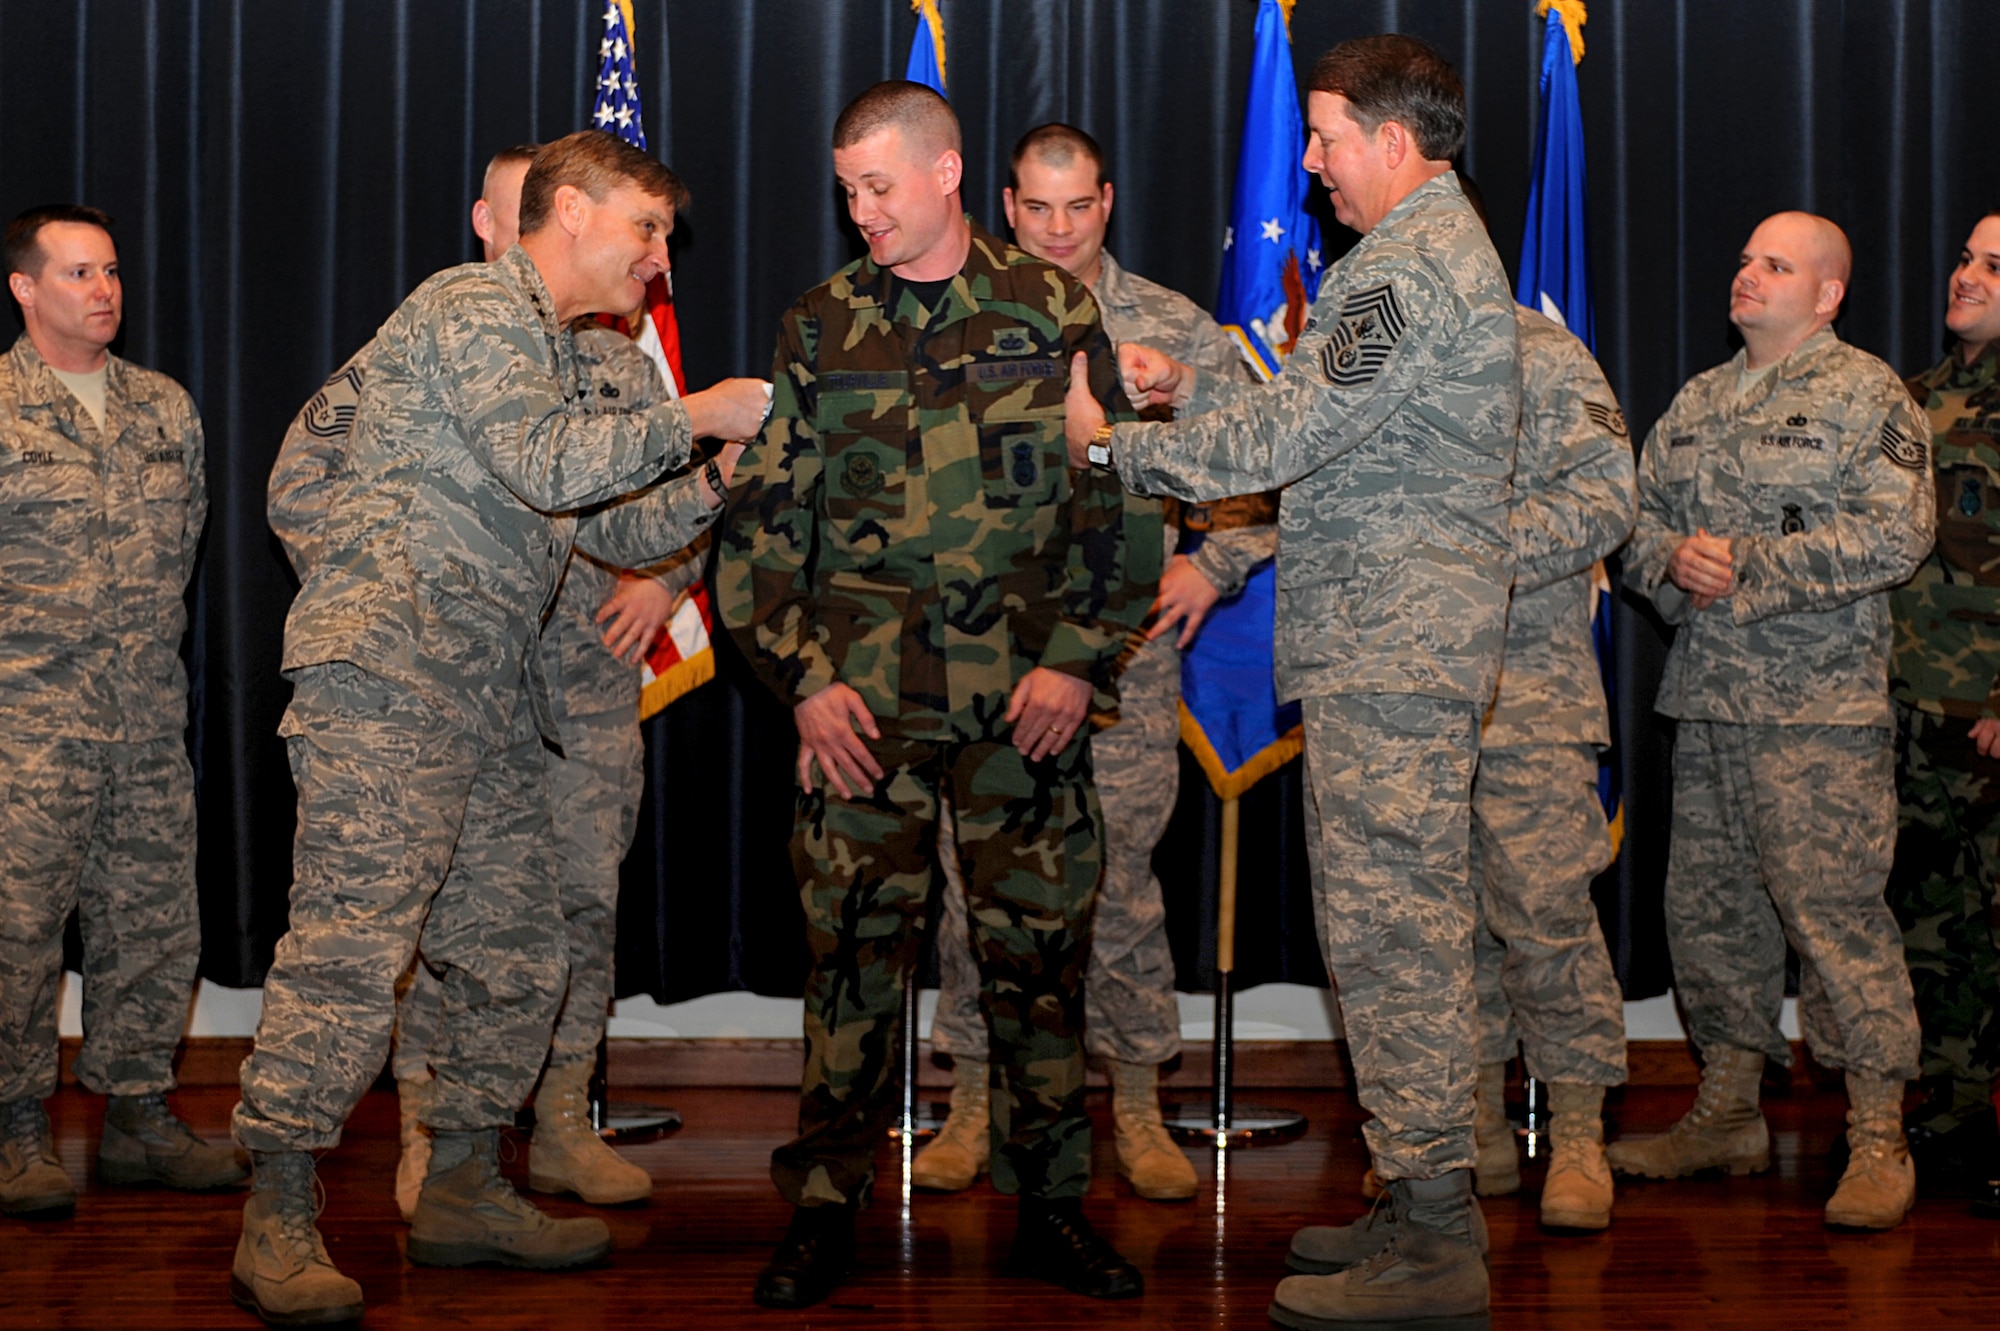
{"x": 1267, "y": 1012}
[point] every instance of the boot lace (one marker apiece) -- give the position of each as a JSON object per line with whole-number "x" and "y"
{"x": 297, "y": 1197}
{"x": 151, "y": 1113}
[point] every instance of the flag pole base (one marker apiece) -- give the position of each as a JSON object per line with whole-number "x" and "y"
{"x": 1192, "y": 1123}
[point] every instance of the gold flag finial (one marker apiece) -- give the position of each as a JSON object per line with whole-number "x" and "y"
{"x": 1573, "y": 19}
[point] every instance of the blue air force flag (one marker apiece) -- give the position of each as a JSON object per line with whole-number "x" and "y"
{"x": 927, "y": 47}
{"x": 1271, "y": 262}
{"x": 1555, "y": 279}
{"x": 1231, "y": 717}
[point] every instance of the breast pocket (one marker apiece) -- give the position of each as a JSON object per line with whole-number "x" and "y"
{"x": 1792, "y": 478}
{"x": 47, "y": 492}
{"x": 865, "y": 435}
{"x": 1023, "y": 458}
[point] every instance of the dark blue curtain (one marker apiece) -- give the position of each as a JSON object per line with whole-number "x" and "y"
{"x": 283, "y": 174}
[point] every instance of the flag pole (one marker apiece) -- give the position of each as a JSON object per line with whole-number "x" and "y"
{"x": 1220, "y": 1122}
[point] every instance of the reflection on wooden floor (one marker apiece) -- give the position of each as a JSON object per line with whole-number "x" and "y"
{"x": 1705, "y": 1253}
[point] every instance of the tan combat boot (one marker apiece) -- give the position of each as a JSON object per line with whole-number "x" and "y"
{"x": 1725, "y": 1129}
{"x": 1146, "y": 1154}
{"x": 282, "y": 1272}
{"x": 413, "y": 1094}
{"x": 1880, "y": 1185}
{"x": 1427, "y": 1272}
{"x": 1496, "y": 1154}
{"x": 467, "y": 1214}
{"x": 567, "y": 1155}
{"x": 32, "y": 1182}
{"x": 958, "y": 1154}
{"x": 1577, "y": 1192}
{"x": 144, "y": 1143}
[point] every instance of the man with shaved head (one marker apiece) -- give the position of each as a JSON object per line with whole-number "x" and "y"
{"x": 1780, "y": 498}
{"x": 910, "y": 565}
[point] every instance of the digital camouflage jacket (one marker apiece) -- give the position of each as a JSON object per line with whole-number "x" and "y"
{"x": 98, "y": 531}
{"x": 1820, "y": 477}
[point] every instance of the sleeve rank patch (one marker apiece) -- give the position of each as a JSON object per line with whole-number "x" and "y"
{"x": 1902, "y": 450}
{"x": 330, "y": 415}
{"x": 1371, "y": 324}
{"x": 1608, "y": 419}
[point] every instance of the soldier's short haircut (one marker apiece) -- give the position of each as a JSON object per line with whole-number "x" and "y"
{"x": 21, "y": 249}
{"x": 925, "y": 118}
{"x": 596, "y": 163}
{"x": 1058, "y": 145}
{"x": 1395, "y": 77}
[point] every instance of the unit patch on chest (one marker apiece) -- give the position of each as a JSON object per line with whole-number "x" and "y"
{"x": 862, "y": 475}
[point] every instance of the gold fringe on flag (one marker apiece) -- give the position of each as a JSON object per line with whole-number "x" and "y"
{"x": 929, "y": 9}
{"x": 682, "y": 677}
{"x": 631, "y": 29}
{"x": 1230, "y": 785}
{"x": 1573, "y": 19}
{"x": 1286, "y": 7}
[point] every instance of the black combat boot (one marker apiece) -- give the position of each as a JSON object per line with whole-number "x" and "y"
{"x": 816, "y": 1255}
{"x": 1055, "y": 1242}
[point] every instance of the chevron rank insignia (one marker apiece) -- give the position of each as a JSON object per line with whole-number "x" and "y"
{"x": 1371, "y": 324}
{"x": 1608, "y": 419}
{"x": 1901, "y": 449}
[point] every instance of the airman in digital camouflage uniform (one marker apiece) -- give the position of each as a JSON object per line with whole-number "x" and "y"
{"x": 1059, "y": 204}
{"x": 420, "y": 706}
{"x": 909, "y": 562}
{"x": 1944, "y": 678}
{"x": 601, "y": 618}
{"x": 1538, "y": 831}
{"x": 103, "y": 493}
{"x": 1780, "y": 497}
{"x": 1393, "y": 429}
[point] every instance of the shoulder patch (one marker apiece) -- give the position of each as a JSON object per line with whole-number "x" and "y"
{"x": 1608, "y": 419}
{"x": 330, "y": 415}
{"x": 1371, "y": 324}
{"x": 1902, "y": 450}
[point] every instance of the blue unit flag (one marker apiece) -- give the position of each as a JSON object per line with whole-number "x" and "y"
{"x": 1231, "y": 717}
{"x": 1271, "y": 258}
{"x": 927, "y": 47}
{"x": 1555, "y": 279}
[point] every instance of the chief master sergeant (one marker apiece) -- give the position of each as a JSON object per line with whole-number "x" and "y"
{"x": 1393, "y": 427}
{"x": 1781, "y": 496}
{"x": 103, "y": 493}
{"x": 909, "y": 562}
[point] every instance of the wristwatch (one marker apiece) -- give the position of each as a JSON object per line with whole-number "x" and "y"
{"x": 1099, "y": 449}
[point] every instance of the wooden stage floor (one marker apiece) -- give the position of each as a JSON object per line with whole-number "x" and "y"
{"x": 1705, "y": 1253}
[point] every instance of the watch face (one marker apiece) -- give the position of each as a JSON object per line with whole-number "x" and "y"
{"x": 1100, "y": 455}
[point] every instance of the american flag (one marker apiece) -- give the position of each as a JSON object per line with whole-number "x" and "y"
{"x": 682, "y": 657}
{"x": 617, "y": 110}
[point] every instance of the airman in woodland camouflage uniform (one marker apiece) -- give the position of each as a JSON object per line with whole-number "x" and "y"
{"x": 595, "y": 780}
{"x": 911, "y": 564}
{"x": 103, "y": 493}
{"x": 1393, "y": 429}
{"x": 1944, "y": 677}
{"x": 1780, "y": 497}
{"x": 420, "y": 705}
{"x": 1538, "y": 831}
{"x": 1059, "y": 205}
